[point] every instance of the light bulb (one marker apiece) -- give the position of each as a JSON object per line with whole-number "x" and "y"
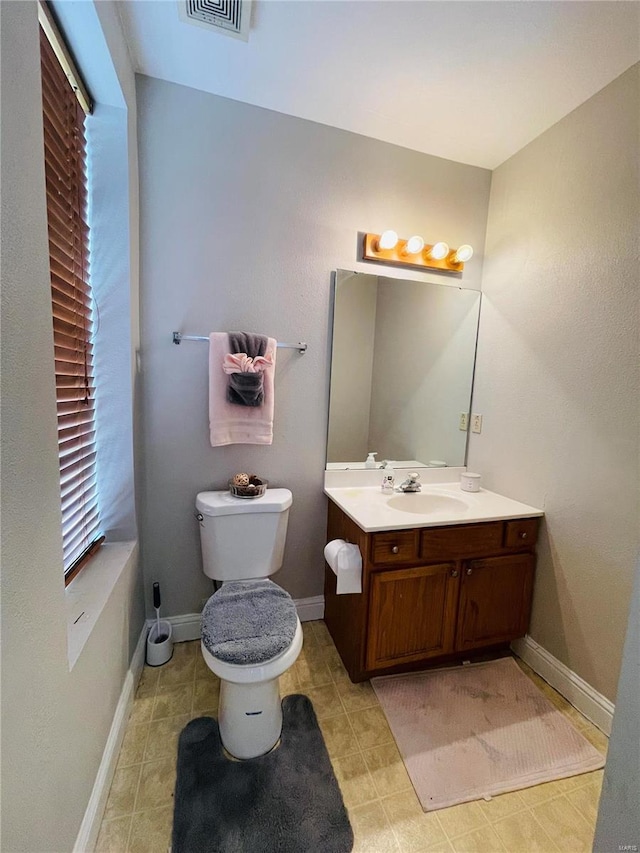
{"x": 439, "y": 251}
{"x": 463, "y": 254}
{"x": 414, "y": 245}
{"x": 388, "y": 240}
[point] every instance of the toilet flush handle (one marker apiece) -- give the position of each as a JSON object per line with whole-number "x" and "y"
{"x": 200, "y": 518}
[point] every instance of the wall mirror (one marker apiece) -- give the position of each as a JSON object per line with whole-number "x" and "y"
{"x": 402, "y": 364}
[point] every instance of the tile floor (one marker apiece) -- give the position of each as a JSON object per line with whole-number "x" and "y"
{"x": 384, "y": 811}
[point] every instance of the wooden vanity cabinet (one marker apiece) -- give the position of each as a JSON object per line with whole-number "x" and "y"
{"x": 411, "y": 614}
{"x": 430, "y": 594}
{"x": 495, "y": 600}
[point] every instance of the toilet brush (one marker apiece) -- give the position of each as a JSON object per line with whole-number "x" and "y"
{"x": 159, "y": 638}
{"x": 159, "y": 642}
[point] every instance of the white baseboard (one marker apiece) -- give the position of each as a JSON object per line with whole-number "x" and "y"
{"x": 310, "y": 609}
{"x": 90, "y": 826}
{"x": 576, "y": 690}
{"x": 185, "y": 627}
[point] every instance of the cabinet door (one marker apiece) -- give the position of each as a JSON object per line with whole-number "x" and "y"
{"x": 495, "y": 600}
{"x": 411, "y": 614}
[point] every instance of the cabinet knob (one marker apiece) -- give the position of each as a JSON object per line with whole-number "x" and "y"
{"x": 394, "y": 549}
{"x": 523, "y": 535}
{"x": 469, "y": 571}
{"x": 454, "y": 573}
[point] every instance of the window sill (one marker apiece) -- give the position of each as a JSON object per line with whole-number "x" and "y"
{"x": 88, "y": 593}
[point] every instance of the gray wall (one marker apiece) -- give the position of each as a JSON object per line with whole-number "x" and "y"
{"x": 558, "y": 370}
{"x": 55, "y": 722}
{"x": 244, "y": 214}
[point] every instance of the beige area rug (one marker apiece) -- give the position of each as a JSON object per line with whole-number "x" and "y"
{"x": 474, "y": 731}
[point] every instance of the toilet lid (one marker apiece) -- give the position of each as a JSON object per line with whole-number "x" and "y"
{"x": 249, "y": 622}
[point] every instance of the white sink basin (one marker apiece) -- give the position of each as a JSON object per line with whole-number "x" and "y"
{"x": 423, "y": 503}
{"x": 439, "y": 503}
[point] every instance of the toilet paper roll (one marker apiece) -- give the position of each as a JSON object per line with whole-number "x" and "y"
{"x": 346, "y": 562}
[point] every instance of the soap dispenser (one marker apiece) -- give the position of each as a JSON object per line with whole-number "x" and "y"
{"x": 370, "y": 461}
{"x": 388, "y": 480}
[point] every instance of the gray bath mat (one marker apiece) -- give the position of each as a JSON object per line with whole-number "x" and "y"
{"x": 285, "y": 802}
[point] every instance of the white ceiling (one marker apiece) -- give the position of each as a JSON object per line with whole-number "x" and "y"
{"x": 468, "y": 81}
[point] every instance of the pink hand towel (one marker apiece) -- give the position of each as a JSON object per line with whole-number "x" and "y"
{"x": 229, "y": 423}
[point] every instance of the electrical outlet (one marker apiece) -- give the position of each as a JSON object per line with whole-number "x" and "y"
{"x": 476, "y": 423}
{"x": 464, "y": 421}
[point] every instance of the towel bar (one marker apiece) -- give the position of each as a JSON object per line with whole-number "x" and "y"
{"x": 178, "y": 337}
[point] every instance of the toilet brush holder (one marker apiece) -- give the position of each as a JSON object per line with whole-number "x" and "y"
{"x": 159, "y": 643}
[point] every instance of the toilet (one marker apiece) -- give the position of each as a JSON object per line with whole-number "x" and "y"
{"x": 251, "y": 633}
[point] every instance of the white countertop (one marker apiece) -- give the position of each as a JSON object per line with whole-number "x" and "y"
{"x": 443, "y": 503}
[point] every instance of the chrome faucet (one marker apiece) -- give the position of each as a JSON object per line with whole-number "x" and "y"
{"x": 411, "y": 484}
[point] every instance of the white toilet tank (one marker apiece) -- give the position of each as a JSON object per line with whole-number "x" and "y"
{"x": 243, "y": 539}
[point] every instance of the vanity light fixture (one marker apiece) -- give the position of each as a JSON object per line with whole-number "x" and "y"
{"x": 387, "y": 241}
{"x": 413, "y": 246}
{"x": 386, "y": 248}
{"x": 438, "y": 251}
{"x": 463, "y": 254}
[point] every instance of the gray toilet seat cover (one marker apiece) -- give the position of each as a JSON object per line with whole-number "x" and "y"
{"x": 248, "y": 622}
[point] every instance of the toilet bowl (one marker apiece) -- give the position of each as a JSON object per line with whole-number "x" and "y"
{"x": 251, "y": 633}
{"x": 249, "y": 708}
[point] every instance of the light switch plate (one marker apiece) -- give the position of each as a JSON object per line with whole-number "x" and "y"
{"x": 476, "y": 423}
{"x": 464, "y": 421}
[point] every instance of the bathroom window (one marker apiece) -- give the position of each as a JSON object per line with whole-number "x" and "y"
{"x": 72, "y": 304}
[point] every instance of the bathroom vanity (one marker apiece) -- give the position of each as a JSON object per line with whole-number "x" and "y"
{"x": 445, "y": 574}
{"x": 439, "y": 582}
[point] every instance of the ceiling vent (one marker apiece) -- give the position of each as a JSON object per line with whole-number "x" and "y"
{"x": 228, "y": 17}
